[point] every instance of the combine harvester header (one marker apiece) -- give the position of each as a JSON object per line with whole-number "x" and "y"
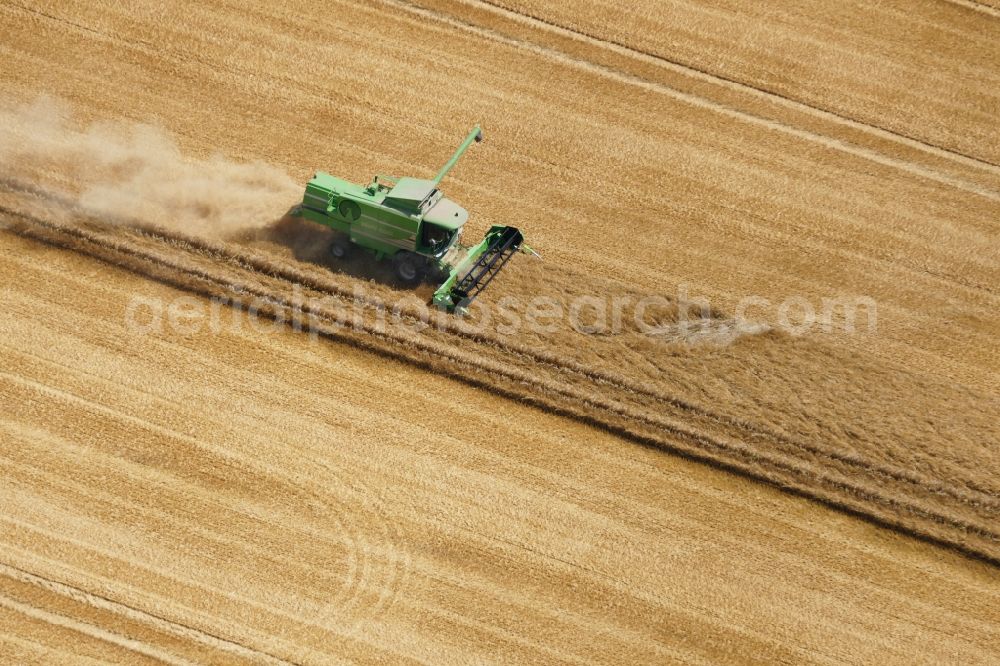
{"x": 410, "y": 221}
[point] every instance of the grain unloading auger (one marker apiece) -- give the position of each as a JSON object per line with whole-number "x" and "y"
{"x": 410, "y": 221}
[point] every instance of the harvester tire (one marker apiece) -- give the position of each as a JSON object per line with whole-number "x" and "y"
{"x": 340, "y": 247}
{"x": 409, "y": 267}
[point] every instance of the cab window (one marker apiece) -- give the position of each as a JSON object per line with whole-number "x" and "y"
{"x": 434, "y": 238}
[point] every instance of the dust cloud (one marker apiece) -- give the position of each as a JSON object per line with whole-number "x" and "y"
{"x": 133, "y": 172}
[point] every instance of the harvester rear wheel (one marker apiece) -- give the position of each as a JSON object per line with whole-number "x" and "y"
{"x": 340, "y": 247}
{"x": 409, "y": 267}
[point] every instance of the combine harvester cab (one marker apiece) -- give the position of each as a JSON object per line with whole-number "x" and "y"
{"x": 410, "y": 221}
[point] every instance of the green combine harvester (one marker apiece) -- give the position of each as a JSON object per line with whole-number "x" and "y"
{"x": 411, "y": 222}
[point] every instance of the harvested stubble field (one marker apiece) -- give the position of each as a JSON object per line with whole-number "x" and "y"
{"x": 371, "y": 492}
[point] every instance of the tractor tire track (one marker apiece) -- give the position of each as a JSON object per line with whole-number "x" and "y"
{"x": 365, "y": 570}
{"x": 686, "y": 95}
{"x": 737, "y": 85}
{"x": 473, "y": 11}
{"x": 980, "y": 7}
{"x": 100, "y": 603}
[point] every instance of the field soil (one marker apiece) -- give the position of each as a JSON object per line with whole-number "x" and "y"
{"x": 347, "y": 483}
{"x": 256, "y": 495}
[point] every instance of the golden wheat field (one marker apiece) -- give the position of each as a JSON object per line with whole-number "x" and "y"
{"x": 220, "y": 445}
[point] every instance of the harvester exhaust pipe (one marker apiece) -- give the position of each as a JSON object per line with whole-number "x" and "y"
{"x": 475, "y": 135}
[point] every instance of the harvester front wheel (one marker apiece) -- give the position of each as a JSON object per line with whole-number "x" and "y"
{"x": 409, "y": 267}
